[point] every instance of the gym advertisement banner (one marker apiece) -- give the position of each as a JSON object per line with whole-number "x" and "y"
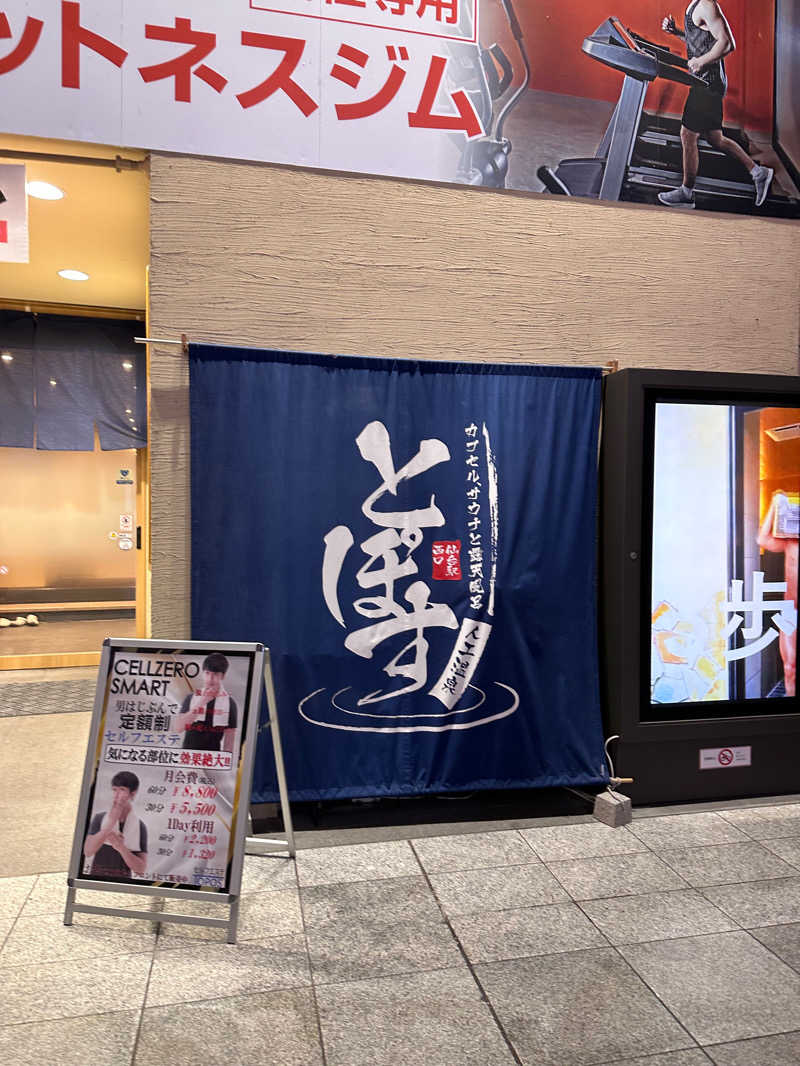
{"x": 726, "y": 522}
{"x": 700, "y": 111}
{"x": 164, "y": 797}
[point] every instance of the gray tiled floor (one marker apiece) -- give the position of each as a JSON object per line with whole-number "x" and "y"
{"x": 674, "y": 942}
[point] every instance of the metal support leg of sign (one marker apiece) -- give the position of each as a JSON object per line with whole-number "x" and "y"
{"x": 256, "y": 845}
{"x": 164, "y": 802}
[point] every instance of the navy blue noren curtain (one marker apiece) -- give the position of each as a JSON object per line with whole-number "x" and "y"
{"x": 16, "y": 400}
{"x": 415, "y": 541}
{"x": 61, "y": 376}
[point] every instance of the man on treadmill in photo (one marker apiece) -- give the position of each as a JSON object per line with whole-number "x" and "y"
{"x": 708, "y": 39}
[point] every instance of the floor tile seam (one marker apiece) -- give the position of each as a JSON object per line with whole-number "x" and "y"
{"x": 695, "y": 1043}
{"x": 772, "y": 925}
{"x": 745, "y": 1039}
{"x": 748, "y": 803}
{"x": 599, "y": 855}
{"x": 724, "y": 844}
{"x": 7, "y": 934}
{"x": 467, "y": 836}
{"x": 314, "y": 1000}
{"x": 655, "y": 892}
{"x": 433, "y": 918}
{"x": 747, "y": 932}
{"x": 43, "y": 714}
{"x": 670, "y": 939}
{"x": 6, "y": 967}
{"x": 358, "y": 881}
{"x": 692, "y": 936}
{"x": 745, "y": 881}
{"x": 418, "y": 972}
{"x": 741, "y": 828}
{"x": 616, "y": 949}
{"x": 593, "y": 923}
{"x": 528, "y": 844}
{"x": 659, "y": 940}
{"x": 649, "y": 892}
{"x": 659, "y": 849}
{"x": 481, "y": 990}
{"x": 793, "y": 878}
{"x": 789, "y": 862}
{"x": 771, "y": 802}
{"x": 688, "y": 814}
{"x": 535, "y": 861}
{"x": 16, "y": 917}
{"x": 251, "y": 994}
{"x": 267, "y": 990}
{"x": 192, "y": 943}
{"x": 83, "y": 959}
{"x": 748, "y": 1039}
{"x": 720, "y": 906}
{"x": 135, "y": 1047}
{"x": 772, "y": 951}
{"x": 625, "y": 894}
{"x": 763, "y": 839}
{"x": 69, "y": 1017}
{"x": 597, "y": 899}
{"x": 628, "y": 854}
{"x": 652, "y": 1056}
{"x": 502, "y": 910}
{"x": 548, "y": 954}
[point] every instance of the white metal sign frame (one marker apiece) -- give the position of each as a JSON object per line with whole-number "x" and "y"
{"x": 261, "y": 673}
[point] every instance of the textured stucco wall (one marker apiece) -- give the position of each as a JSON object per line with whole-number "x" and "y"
{"x": 282, "y": 258}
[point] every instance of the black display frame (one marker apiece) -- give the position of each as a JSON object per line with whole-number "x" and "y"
{"x": 663, "y": 754}
{"x": 792, "y": 166}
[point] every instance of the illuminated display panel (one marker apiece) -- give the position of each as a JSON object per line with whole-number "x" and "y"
{"x": 723, "y": 557}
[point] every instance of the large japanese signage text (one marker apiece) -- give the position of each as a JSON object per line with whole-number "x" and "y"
{"x": 285, "y": 81}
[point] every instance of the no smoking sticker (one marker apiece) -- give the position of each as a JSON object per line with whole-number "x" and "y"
{"x": 725, "y": 758}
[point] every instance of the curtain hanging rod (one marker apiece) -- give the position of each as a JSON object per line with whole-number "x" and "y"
{"x": 118, "y": 162}
{"x": 611, "y": 367}
{"x": 183, "y": 343}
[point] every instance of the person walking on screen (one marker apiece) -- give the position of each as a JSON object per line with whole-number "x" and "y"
{"x": 708, "y": 40}
{"x": 208, "y": 716}
{"x": 773, "y": 538}
{"x": 117, "y": 839}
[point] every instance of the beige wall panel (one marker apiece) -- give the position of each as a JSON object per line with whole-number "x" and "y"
{"x": 274, "y": 257}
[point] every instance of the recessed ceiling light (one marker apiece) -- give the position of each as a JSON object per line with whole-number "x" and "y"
{"x": 43, "y": 190}
{"x": 73, "y": 275}
{"x": 53, "y": 381}
{"x": 128, "y": 411}
{"x": 130, "y": 420}
{"x": 7, "y": 357}
{"x": 127, "y": 365}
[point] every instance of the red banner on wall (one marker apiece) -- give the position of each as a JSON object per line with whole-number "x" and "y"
{"x": 13, "y": 214}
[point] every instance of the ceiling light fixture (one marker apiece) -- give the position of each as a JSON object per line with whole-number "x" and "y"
{"x": 127, "y": 365}
{"x": 53, "y": 381}
{"x": 7, "y": 357}
{"x": 73, "y": 275}
{"x": 43, "y": 190}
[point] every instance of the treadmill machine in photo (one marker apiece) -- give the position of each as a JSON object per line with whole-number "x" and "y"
{"x": 700, "y": 528}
